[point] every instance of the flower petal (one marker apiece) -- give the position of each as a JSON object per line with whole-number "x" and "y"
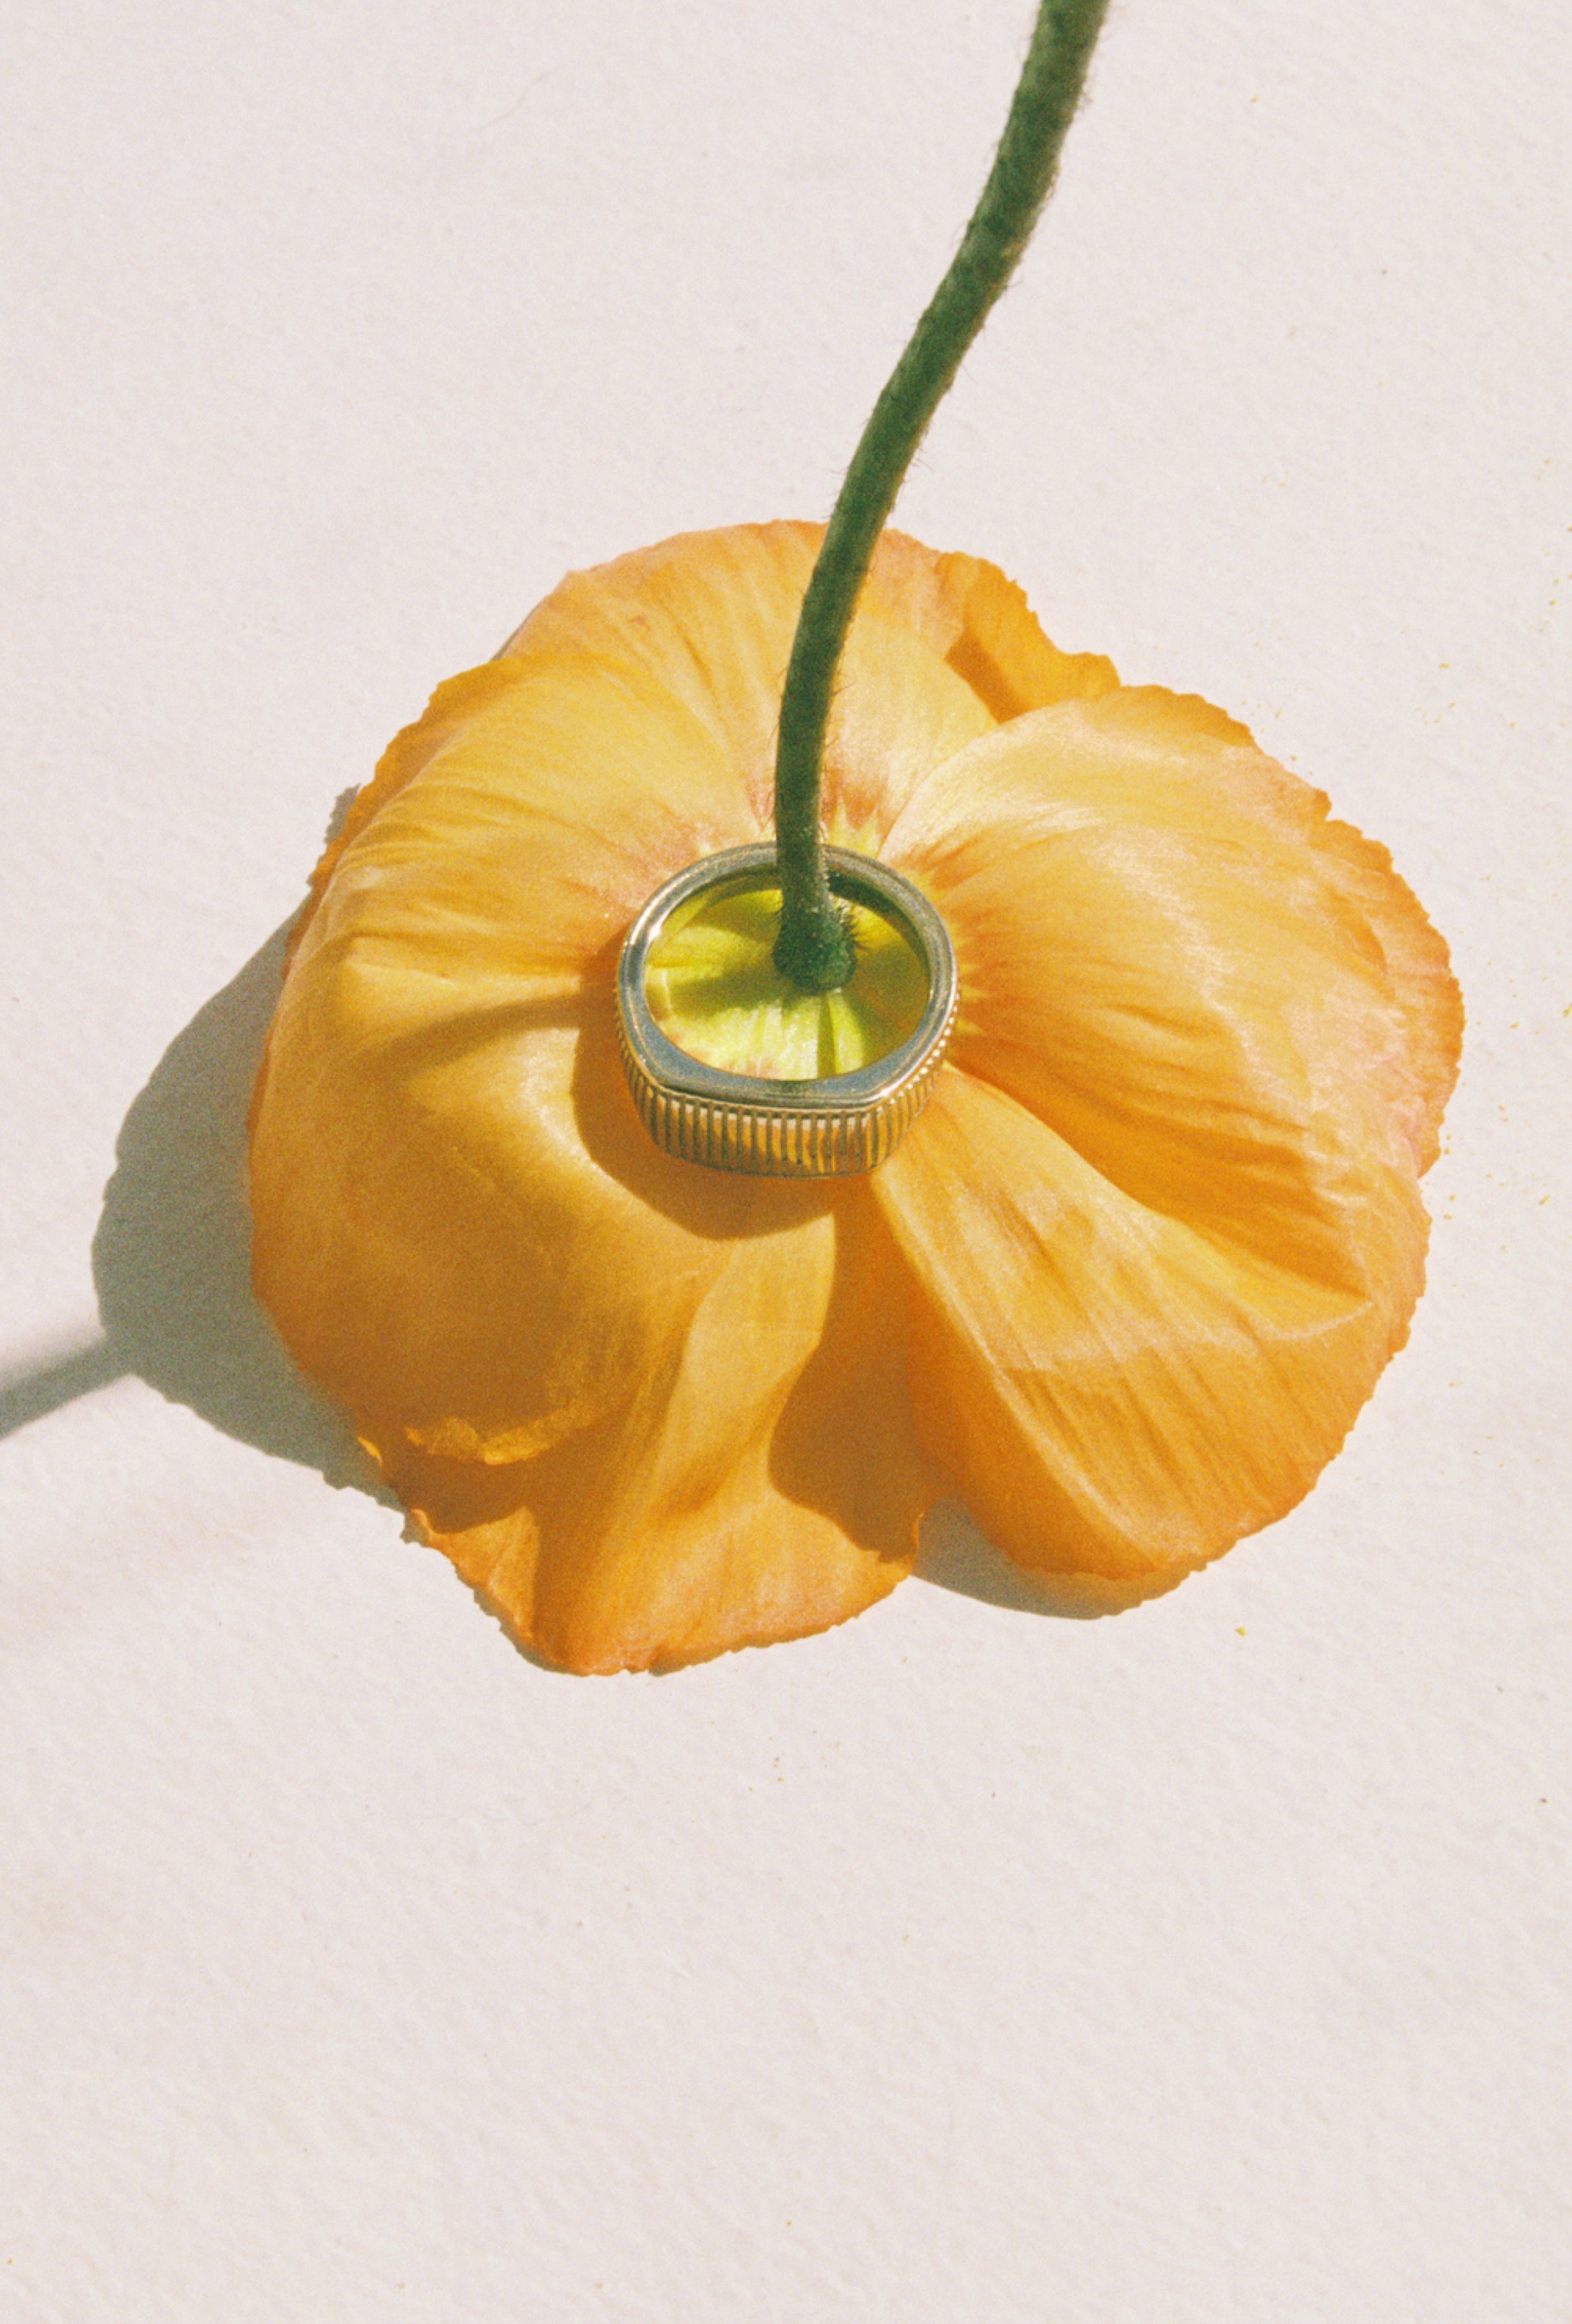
{"x": 461, "y": 1226}
{"x": 516, "y": 828}
{"x": 979, "y": 621}
{"x": 458, "y": 1240}
{"x": 1136, "y": 1268}
{"x": 940, "y": 648}
{"x": 634, "y": 1400}
{"x": 1115, "y": 1393}
{"x": 468, "y": 1239}
{"x": 758, "y": 1481}
{"x": 1230, "y": 1008}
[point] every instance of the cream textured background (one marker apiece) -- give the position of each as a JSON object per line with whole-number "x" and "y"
{"x": 1206, "y": 1965}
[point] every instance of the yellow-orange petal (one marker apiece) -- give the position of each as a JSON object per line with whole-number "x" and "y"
{"x": 464, "y": 1232}
{"x": 516, "y": 828}
{"x": 466, "y": 1236}
{"x": 1158, "y": 1244}
{"x": 759, "y": 1482}
{"x": 632, "y": 1399}
{"x": 980, "y": 622}
{"x": 1232, "y": 1009}
{"x": 941, "y": 646}
{"x": 1116, "y": 1395}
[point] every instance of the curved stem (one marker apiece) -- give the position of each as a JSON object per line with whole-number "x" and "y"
{"x": 814, "y": 947}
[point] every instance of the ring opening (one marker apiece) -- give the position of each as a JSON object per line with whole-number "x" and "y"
{"x": 713, "y": 990}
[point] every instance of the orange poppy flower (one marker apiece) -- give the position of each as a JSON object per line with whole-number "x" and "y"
{"x": 1121, "y": 1289}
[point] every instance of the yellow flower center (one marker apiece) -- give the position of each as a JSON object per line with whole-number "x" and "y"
{"x": 715, "y": 991}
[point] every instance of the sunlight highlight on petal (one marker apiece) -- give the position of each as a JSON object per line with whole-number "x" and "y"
{"x": 1112, "y": 1393}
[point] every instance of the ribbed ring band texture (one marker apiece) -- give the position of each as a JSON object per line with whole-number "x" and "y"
{"x": 832, "y": 1127}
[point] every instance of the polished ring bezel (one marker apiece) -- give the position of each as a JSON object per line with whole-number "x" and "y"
{"x": 833, "y": 1126}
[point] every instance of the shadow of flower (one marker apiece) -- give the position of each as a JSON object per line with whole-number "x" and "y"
{"x": 171, "y": 1257}
{"x": 954, "y": 1556}
{"x": 171, "y": 1265}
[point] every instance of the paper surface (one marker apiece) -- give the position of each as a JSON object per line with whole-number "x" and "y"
{"x": 1208, "y": 1963}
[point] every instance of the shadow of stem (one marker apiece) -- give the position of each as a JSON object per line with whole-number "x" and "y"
{"x": 44, "y": 1387}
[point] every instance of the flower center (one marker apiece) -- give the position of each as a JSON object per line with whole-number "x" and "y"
{"x": 713, "y": 988}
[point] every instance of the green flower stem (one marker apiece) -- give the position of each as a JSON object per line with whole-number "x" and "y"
{"x": 814, "y": 947}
